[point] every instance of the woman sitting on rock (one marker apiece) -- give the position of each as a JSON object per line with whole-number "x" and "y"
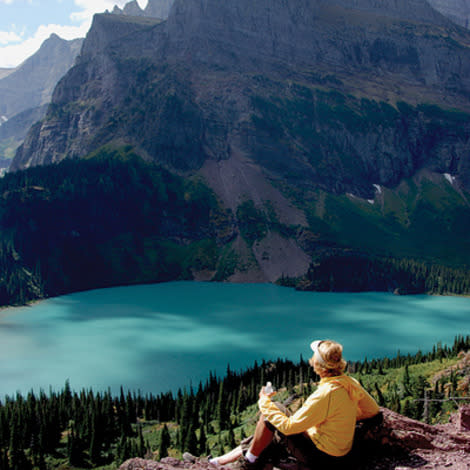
{"x": 319, "y": 434}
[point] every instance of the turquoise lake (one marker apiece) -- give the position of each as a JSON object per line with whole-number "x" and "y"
{"x": 156, "y": 338}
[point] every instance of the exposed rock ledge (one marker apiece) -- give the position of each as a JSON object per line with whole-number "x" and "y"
{"x": 400, "y": 443}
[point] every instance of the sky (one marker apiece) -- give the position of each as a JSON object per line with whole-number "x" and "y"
{"x": 26, "y": 24}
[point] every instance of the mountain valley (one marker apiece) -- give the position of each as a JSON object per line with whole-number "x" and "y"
{"x": 319, "y": 128}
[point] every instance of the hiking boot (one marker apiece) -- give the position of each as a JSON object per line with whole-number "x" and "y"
{"x": 288, "y": 464}
{"x": 243, "y": 464}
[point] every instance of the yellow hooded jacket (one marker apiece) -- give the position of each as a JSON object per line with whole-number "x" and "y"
{"x": 329, "y": 415}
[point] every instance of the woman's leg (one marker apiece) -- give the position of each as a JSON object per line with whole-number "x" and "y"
{"x": 229, "y": 457}
{"x": 262, "y": 437}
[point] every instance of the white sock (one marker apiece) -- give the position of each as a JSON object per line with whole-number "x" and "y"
{"x": 250, "y": 457}
{"x": 214, "y": 461}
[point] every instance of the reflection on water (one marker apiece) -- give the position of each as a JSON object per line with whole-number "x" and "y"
{"x": 159, "y": 337}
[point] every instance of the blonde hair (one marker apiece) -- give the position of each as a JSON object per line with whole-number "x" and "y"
{"x": 331, "y": 361}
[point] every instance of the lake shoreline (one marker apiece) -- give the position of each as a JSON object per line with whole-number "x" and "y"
{"x": 35, "y": 301}
{"x": 173, "y": 333}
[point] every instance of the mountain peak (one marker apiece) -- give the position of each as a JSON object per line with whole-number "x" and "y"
{"x": 262, "y": 60}
{"x": 133, "y": 8}
{"x": 54, "y": 37}
{"x": 31, "y": 83}
{"x": 154, "y": 9}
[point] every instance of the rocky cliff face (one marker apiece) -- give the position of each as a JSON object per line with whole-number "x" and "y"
{"x": 32, "y": 83}
{"x": 211, "y": 82}
{"x": 456, "y": 10}
{"x": 400, "y": 443}
{"x": 159, "y": 8}
{"x": 25, "y": 91}
{"x": 14, "y": 130}
{"x": 278, "y": 103}
{"x": 335, "y": 37}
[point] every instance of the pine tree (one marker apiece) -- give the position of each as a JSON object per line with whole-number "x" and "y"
{"x": 74, "y": 453}
{"x": 190, "y": 443}
{"x": 409, "y": 410}
{"x": 94, "y": 451}
{"x": 165, "y": 442}
{"x": 290, "y": 381}
{"x": 16, "y": 456}
{"x": 202, "y": 443}
{"x": 222, "y": 417}
{"x": 406, "y": 381}
{"x": 4, "y": 464}
{"x": 141, "y": 449}
{"x": 231, "y": 438}
{"x": 123, "y": 451}
{"x": 380, "y": 397}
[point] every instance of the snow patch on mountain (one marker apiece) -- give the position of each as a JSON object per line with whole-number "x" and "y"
{"x": 449, "y": 178}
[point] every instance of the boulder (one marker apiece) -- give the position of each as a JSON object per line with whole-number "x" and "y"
{"x": 399, "y": 443}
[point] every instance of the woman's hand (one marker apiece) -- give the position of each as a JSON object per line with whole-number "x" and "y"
{"x": 262, "y": 393}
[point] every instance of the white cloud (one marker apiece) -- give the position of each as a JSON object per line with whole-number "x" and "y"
{"x": 6, "y": 37}
{"x": 6, "y": 2}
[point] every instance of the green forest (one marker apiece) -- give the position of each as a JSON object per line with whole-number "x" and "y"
{"x": 355, "y": 272}
{"x": 88, "y": 429}
{"x": 113, "y": 219}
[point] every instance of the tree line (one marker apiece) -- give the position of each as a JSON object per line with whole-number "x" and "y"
{"x": 353, "y": 272}
{"x": 114, "y": 219}
{"x": 95, "y": 428}
{"x": 111, "y": 219}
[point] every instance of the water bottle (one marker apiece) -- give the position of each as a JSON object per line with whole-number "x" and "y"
{"x": 269, "y": 388}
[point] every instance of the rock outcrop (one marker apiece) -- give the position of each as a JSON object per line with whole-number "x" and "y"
{"x": 14, "y": 130}
{"x": 31, "y": 84}
{"x": 281, "y": 103}
{"x": 399, "y": 443}
{"x": 159, "y": 8}
{"x": 26, "y": 91}
{"x": 221, "y": 79}
{"x": 154, "y": 9}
